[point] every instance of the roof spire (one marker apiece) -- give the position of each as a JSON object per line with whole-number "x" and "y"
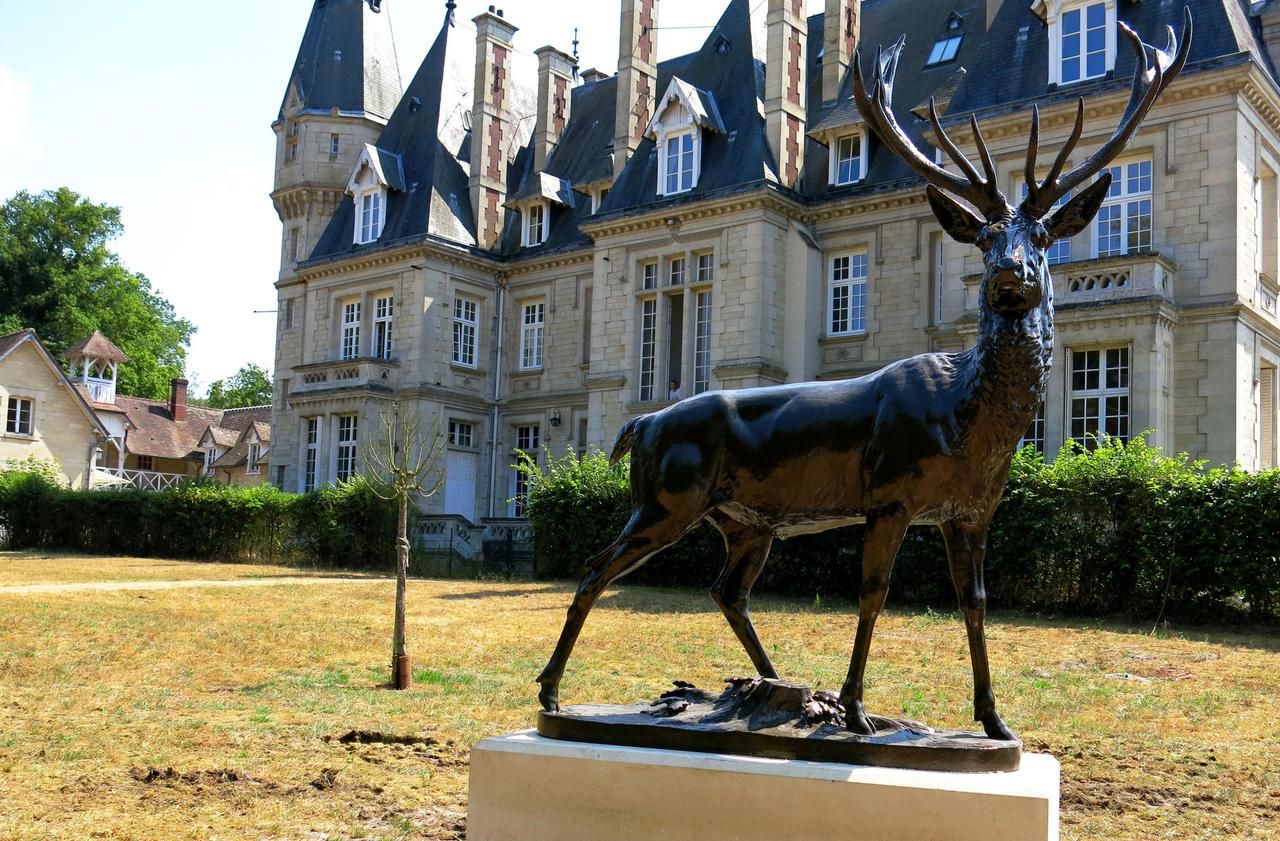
{"x": 449, "y": 7}
{"x": 575, "y": 52}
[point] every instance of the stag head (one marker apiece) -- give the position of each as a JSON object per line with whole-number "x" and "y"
{"x": 1014, "y": 242}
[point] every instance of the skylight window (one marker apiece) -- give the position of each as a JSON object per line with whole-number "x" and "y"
{"x": 944, "y": 50}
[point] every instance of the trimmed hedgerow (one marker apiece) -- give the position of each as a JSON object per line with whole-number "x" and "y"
{"x": 1120, "y": 528}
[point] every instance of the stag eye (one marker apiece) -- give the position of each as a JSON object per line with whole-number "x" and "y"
{"x": 985, "y": 240}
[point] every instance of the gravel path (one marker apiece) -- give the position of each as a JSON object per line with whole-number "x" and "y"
{"x": 82, "y": 586}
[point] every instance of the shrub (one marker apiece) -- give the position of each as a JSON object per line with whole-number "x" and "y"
{"x": 1115, "y": 528}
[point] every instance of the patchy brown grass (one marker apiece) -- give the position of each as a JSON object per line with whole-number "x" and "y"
{"x": 261, "y": 712}
{"x": 18, "y": 568}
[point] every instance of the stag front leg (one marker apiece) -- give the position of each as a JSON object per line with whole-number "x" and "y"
{"x": 648, "y": 532}
{"x": 747, "y": 548}
{"x": 885, "y": 530}
{"x": 966, "y": 550}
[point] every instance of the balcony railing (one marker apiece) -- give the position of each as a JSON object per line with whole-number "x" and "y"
{"x": 347, "y": 373}
{"x": 116, "y": 478}
{"x": 1101, "y": 280}
{"x": 100, "y": 391}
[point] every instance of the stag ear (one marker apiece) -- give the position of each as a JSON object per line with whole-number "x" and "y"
{"x": 957, "y": 220}
{"x": 1075, "y": 215}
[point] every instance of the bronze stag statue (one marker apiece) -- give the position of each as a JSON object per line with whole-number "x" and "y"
{"x": 927, "y": 440}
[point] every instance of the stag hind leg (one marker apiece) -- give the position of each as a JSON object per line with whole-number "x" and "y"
{"x": 966, "y": 550}
{"x": 885, "y": 530}
{"x": 650, "y": 530}
{"x": 747, "y": 548}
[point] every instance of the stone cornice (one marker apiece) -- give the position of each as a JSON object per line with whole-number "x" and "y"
{"x": 391, "y": 256}
{"x": 585, "y": 255}
{"x": 764, "y": 198}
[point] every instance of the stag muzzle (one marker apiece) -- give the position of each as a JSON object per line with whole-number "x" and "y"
{"x": 1014, "y": 288}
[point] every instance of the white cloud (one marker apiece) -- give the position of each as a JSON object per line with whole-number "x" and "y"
{"x": 15, "y": 110}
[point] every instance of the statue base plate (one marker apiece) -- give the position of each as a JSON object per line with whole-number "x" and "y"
{"x": 775, "y": 719}
{"x": 528, "y": 788}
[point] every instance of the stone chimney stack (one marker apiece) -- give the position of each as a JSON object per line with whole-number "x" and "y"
{"x": 637, "y": 78}
{"x": 784, "y": 87}
{"x": 1270, "y": 20}
{"x": 555, "y": 88}
{"x": 178, "y": 399}
{"x": 592, "y": 75}
{"x": 491, "y": 125}
{"x": 840, "y": 29}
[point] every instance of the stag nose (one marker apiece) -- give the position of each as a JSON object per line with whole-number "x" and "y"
{"x": 1010, "y": 266}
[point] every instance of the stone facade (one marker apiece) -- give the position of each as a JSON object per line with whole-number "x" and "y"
{"x": 1182, "y": 329}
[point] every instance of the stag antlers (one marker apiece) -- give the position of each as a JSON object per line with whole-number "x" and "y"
{"x": 983, "y": 191}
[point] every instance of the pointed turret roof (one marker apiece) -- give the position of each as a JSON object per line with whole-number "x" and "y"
{"x": 347, "y": 61}
{"x": 95, "y": 346}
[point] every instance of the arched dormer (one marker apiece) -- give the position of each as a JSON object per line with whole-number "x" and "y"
{"x": 375, "y": 173}
{"x": 680, "y": 117}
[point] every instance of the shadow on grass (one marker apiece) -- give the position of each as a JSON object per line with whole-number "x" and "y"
{"x": 500, "y": 594}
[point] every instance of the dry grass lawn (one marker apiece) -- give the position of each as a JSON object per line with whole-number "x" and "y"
{"x": 246, "y": 693}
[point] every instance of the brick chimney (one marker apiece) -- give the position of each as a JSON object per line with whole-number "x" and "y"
{"x": 1270, "y": 20}
{"x": 784, "y": 87}
{"x": 178, "y": 399}
{"x": 555, "y": 86}
{"x": 637, "y": 78}
{"x": 840, "y": 30}
{"x": 491, "y": 125}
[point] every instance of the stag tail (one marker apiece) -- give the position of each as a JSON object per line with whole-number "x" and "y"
{"x": 626, "y": 439}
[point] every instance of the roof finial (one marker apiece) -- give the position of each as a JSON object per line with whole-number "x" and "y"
{"x": 449, "y": 7}
{"x": 575, "y": 52}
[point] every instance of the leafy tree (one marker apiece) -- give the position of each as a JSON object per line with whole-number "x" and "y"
{"x": 57, "y": 275}
{"x": 250, "y": 386}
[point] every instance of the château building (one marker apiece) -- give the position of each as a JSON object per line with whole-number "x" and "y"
{"x": 528, "y": 253}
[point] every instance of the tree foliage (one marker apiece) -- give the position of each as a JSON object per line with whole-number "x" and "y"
{"x": 58, "y": 276}
{"x": 250, "y": 386}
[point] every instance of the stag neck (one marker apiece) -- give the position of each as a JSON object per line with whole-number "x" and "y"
{"x": 1013, "y": 355}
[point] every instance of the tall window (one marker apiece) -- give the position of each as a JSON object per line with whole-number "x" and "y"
{"x": 531, "y": 323}
{"x": 466, "y": 324}
{"x": 309, "y": 456}
{"x": 294, "y": 237}
{"x": 706, "y": 268}
{"x": 649, "y": 276}
{"x": 1266, "y": 417}
{"x": 1099, "y": 394}
{"x": 18, "y": 420}
{"x": 335, "y": 144}
{"x": 678, "y": 163}
{"x": 535, "y": 225}
{"x": 848, "y": 296}
{"x": 1083, "y": 47}
{"x": 383, "y": 312}
{"x": 251, "y": 464}
{"x": 347, "y": 443}
{"x": 1035, "y": 432}
{"x": 350, "y": 330}
{"x": 702, "y": 343}
{"x": 461, "y": 433}
{"x": 527, "y": 440}
{"x": 1060, "y": 251}
{"x": 1124, "y": 223}
{"x": 369, "y": 223}
{"x": 648, "y": 347}
{"x": 848, "y": 165}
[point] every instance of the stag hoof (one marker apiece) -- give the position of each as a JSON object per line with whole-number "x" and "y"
{"x": 996, "y": 728}
{"x": 549, "y": 697}
{"x": 856, "y": 720}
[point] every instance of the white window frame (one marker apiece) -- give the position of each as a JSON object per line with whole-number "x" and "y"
{"x": 649, "y": 275}
{"x": 349, "y": 346}
{"x": 371, "y": 214}
{"x": 528, "y": 438}
{"x": 466, "y": 331}
{"x": 533, "y": 316}
{"x": 1034, "y": 436}
{"x": 14, "y": 416}
{"x": 536, "y": 218}
{"x": 677, "y": 271}
{"x": 335, "y": 144}
{"x": 1124, "y": 195}
{"x": 843, "y": 276}
{"x": 346, "y": 444}
{"x": 384, "y": 309}
{"x": 859, "y": 164}
{"x": 597, "y": 199}
{"x": 462, "y": 433}
{"x": 702, "y": 341}
{"x": 310, "y": 453}
{"x": 688, "y": 161}
{"x": 705, "y": 271}
{"x": 1104, "y": 390}
{"x": 1054, "y": 12}
{"x": 648, "y": 348}
{"x": 251, "y": 463}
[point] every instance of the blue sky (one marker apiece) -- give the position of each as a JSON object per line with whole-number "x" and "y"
{"x": 164, "y": 109}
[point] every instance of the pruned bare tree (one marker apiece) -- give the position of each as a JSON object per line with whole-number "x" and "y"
{"x": 402, "y": 464}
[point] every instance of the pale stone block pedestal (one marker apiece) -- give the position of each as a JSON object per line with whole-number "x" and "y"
{"x": 528, "y": 788}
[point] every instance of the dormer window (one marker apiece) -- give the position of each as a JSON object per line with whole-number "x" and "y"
{"x": 1082, "y": 40}
{"x": 849, "y": 158}
{"x": 680, "y": 118}
{"x": 948, "y": 43}
{"x": 369, "y": 217}
{"x": 375, "y": 173}
{"x": 535, "y": 224}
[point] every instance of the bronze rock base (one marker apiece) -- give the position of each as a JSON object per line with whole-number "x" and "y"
{"x": 772, "y": 718}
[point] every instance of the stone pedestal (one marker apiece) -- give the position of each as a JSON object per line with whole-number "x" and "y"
{"x": 529, "y": 788}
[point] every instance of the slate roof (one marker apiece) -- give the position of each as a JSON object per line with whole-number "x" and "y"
{"x": 426, "y": 132}
{"x": 347, "y": 61}
{"x": 95, "y": 346}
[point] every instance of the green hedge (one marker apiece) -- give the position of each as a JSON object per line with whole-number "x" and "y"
{"x": 1118, "y": 529}
{"x": 347, "y": 526}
